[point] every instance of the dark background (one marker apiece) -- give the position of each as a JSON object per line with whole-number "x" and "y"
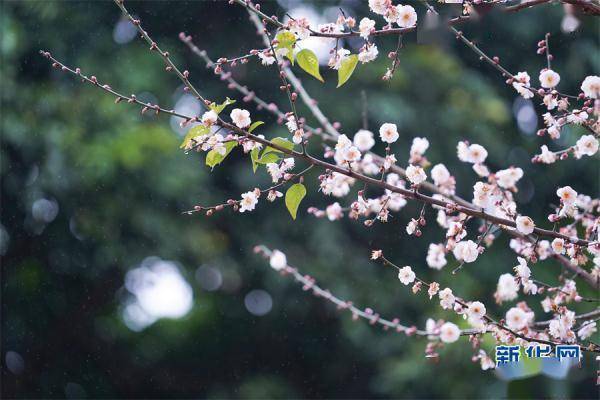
{"x": 90, "y": 190}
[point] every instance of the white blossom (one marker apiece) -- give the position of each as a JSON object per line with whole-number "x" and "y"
{"x": 209, "y": 117}
{"x": 587, "y": 330}
{"x": 436, "y": 256}
{"x": 522, "y": 269}
{"x": 567, "y": 195}
{"x": 466, "y": 251}
{"x": 241, "y": 118}
{"x": 388, "y": 133}
{"x": 587, "y": 145}
{"x": 549, "y": 78}
{"x": 419, "y": 146}
{"x": 507, "y": 288}
{"x": 249, "y": 200}
{"x": 368, "y": 53}
{"x": 440, "y": 174}
{"x": 406, "y": 275}
{"x": 591, "y": 86}
{"x": 415, "y": 174}
{"x": 379, "y": 6}
{"x": 525, "y": 225}
{"x": 516, "y": 318}
{"x": 363, "y": 140}
{"x": 407, "y": 16}
{"x": 508, "y": 178}
{"x": 278, "y": 260}
{"x": 558, "y": 245}
{"x": 365, "y": 27}
{"x": 447, "y": 299}
{"x": 334, "y": 211}
{"x": 449, "y": 333}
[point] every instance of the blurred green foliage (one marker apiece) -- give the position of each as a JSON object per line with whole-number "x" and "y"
{"x": 120, "y": 183}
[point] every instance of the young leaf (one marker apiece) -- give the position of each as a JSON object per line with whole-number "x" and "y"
{"x": 346, "y": 69}
{"x": 254, "y": 158}
{"x": 220, "y": 107}
{"x": 194, "y": 131}
{"x": 280, "y": 142}
{"x": 286, "y": 40}
{"x": 255, "y": 125}
{"x": 215, "y": 158}
{"x": 293, "y": 197}
{"x": 268, "y": 158}
{"x": 308, "y": 61}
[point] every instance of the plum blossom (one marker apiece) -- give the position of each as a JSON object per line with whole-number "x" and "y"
{"x": 388, "y": 133}
{"x": 336, "y": 60}
{"x": 436, "y": 256}
{"x": 560, "y": 328}
{"x": 266, "y": 58}
{"x": 577, "y": 117}
{"x": 407, "y": 16}
{"x": 415, "y": 174}
{"x": 368, "y": 53}
{"x": 379, "y": 6}
{"x": 587, "y": 145}
{"x": 474, "y": 154}
{"x": 521, "y": 85}
{"x": 440, "y": 174}
{"x": 525, "y": 225}
{"x": 248, "y": 202}
{"x": 449, "y": 333}
{"x": 508, "y": 178}
{"x": 567, "y": 195}
{"x": 558, "y": 246}
{"x": 591, "y": 86}
{"x": 419, "y": 146}
{"x": 278, "y": 260}
{"x": 209, "y": 118}
{"x": 334, "y": 211}
{"x": 363, "y": 140}
{"x": 365, "y": 27}
{"x": 406, "y": 275}
{"x": 351, "y": 154}
{"x": 447, "y": 299}
{"x": 476, "y": 311}
{"x": 547, "y": 156}
{"x": 466, "y": 251}
{"x": 549, "y": 78}
{"x": 507, "y": 288}
{"x": 516, "y": 318}
{"x": 587, "y": 329}
{"x": 241, "y": 118}
{"x": 522, "y": 270}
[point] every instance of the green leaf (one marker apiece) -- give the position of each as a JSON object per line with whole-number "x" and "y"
{"x": 293, "y": 197}
{"x": 308, "y": 61}
{"x": 268, "y": 158}
{"x": 254, "y": 159}
{"x": 280, "y": 142}
{"x": 192, "y": 133}
{"x": 220, "y": 107}
{"x": 215, "y": 158}
{"x": 255, "y": 125}
{"x": 346, "y": 69}
{"x": 286, "y": 40}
